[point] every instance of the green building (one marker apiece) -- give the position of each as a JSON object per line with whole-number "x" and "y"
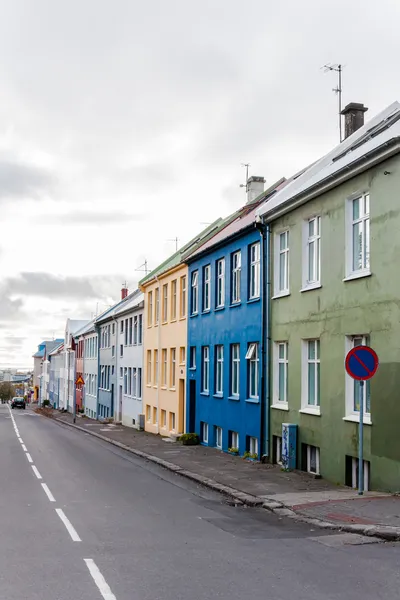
{"x": 334, "y": 281}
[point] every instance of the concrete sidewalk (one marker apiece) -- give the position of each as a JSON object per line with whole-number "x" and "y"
{"x": 295, "y": 494}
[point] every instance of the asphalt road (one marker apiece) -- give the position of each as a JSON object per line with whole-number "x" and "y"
{"x": 110, "y": 525}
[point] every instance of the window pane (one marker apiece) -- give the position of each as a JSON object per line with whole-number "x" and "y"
{"x": 367, "y": 386}
{"x": 282, "y": 395}
{"x": 366, "y": 245}
{"x": 318, "y": 398}
{"x": 311, "y": 350}
{"x": 356, "y": 406}
{"x": 281, "y": 350}
{"x": 282, "y": 241}
{"x": 311, "y": 261}
{"x": 356, "y": 209}
{"x": 311, "y": 227}
{"x": 282, "y": 271}
{"x": 357, "y": 246}
{"x": 311, "y": 384}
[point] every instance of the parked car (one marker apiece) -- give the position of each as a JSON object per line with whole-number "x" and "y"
{"x": 18, "y": 402}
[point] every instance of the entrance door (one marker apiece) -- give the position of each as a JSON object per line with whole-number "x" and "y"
{"x": 192, "y": 406}
{"x": 120, "y": 404}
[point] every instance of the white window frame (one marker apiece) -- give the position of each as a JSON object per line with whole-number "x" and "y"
{"x": 164, "y": 367}
{"x": 255, "y": 271}
{"x": 207, "y": 288}
{"x": 220, "y": 276}
{"x": 236, "y": 276}
{"x": 149, "y": 367}
{"x": 165, "y": 303}
{"x": 139, "y": 384}
{"x": 278, "y": 450}
{"x": 172, "y": 421}
{"x": 218, "y": 437}
{"x": 205, "y": 375}
{"x": 314, "y": 409}
{"x": 173, "y": 368}
{"x": 192, "y": 358}
{"x": 235, "y": 368}
{"x": 253, "y": 445}
{"x": 280, "y": 363}
{"x": 364, "y": 221}
{"x": 253, "y": 357}
{"x": 219, "y": 370}
{"x": 149, "y": 312}
{"x": 204, "y": 433}
{"x": 195, "y": 293}
{"x": 350, "y": 383}
{"x": 182, "y": 301}
{"x": 354, "y": 474}
{"x": 317, "y": 463}
{"x": 174, "y": 287}
{"x": 284, "y": 289}
{"x": 234, "y": 439}
{"x": 148, "y": 413}
{"x": 163, "y": 418}
{"x": 312, "y": 246}
{"x": 157, "y": 306}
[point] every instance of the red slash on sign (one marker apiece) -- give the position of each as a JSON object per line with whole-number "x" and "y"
{"x": 361, "y": 363}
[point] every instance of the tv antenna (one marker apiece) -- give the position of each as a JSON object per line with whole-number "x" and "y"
{"x": 145, "y": 270}
{"x": 247, "y": 165}
{"x": 338, "y": 89}
{"x": 176, "y": 240}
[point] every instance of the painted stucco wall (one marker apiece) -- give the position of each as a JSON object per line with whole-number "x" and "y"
{"x": 90, "y": 367}
{"x": 107, "y": 359}
{"x": 167, "y": 335}
{"x": 368, "y": 305}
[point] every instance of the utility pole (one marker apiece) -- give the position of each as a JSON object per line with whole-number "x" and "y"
{"x": 247, "y": 165}
{"x": 338, "y": 90}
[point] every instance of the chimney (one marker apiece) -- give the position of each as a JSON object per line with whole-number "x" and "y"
{"x": 124, "y": 291}
{"x": 353, "y": 117}
{"x": 255, "y": 187}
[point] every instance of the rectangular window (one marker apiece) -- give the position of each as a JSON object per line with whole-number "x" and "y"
{"x": 195, "y": 292}
{"x": 220, "y": 287}
{"x": 192, "y": 357}
{"x": 130, "y": 332}
{"x": 236, "y": 275}
{"x": 255, "y": 271}
{"x": 148, "y": 367}
{"x": 207, "y": 288}
{"x": 165, "y": 303}
{"x": 121, "y": 350}
{"x": 282, "y": 264}
{"x": 235, "y": 369}
{"x": 360, "y": 236}
{"x": 219, "y": 369}
{"x": 234, "y": 440}
{"x": 172, "y": 379}
{"x": 253, "y": 445}
{"x": 311, "y": 375}
{"x": 204, "y": 433}
{"x": 173, "y": 299}
{"x": 312, "y": 458}
{"x": 313, "y": 253}
{"x": 122, "y": 323}
{"x": 126, "y": 332}
{"x": 164, "y": 419}
{"x": 182, "y": 355}
{"x": 353, "y": 388}
{"x": 183, "y": 297}
{"x": 281, "y": 373}
{"x": 206, "y": 370}
{"x": 252, "y": 357}
{"x": 140, "y": 329}
{"x": 157, "y": 307}
{"x": 164, "y": 368}
{"x": 125, "y": 380}
{"x": 148, "y": 413}
{"x": 113, "y": 351}
{"x": 134, "y": 382}
{"x": 149, "y": 312}
{"x": 129, "y": 381}
{"x": 139, "y": 383}
{"x": 154, "y": 415}
{"x": 155, "y": 379}
{"x": 218, "y": 437}
{"x": 172, "y": 421}
{"x": 113, "y": 328}
{"x": 135, "y": 330}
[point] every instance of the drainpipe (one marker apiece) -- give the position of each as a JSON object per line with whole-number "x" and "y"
{"x": 265, "y": 336}
{"x": 97, "y": 330}
{"x": 159, "y": 354}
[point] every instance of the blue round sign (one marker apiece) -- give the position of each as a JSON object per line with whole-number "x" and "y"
{"x": 361, "y": 363}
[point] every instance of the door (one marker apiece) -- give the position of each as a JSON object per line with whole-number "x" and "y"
{"x": 181, "y": 406}
{"x": 192, "y": 406}
{"x": 120, "y": 404}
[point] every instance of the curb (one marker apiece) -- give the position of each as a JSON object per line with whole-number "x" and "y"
{"x": 383, "y": 532}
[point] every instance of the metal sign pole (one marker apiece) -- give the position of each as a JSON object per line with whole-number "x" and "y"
{"x": 361, "y": 443}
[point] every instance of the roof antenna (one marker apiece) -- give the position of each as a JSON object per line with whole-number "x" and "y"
{"x": 338, "y": 90}
{"x": 145, "y": 267}
{"x": 176, "y": 240}
{"x": 247, "y": 165}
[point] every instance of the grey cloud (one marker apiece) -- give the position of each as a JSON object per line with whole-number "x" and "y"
{"x": 23, "y": 181}
{"x": 10, "y": 310}
{"x": 85, "y": 218}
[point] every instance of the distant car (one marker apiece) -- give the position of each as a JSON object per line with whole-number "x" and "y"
{"x": 18, "y": 402}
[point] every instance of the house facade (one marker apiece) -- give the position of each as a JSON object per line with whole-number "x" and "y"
{"x": 87, "y": 367}
{"x": 67, "y": 372}
{"x": 334, "y": 242}
{"x": 165, "y": 292}
{"x": 56, "y": 362}
{"x": 129, "y": 360}
{"x": 225, "y": 400}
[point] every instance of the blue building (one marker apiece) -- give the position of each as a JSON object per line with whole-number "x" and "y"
{"x": 226, "y": 351}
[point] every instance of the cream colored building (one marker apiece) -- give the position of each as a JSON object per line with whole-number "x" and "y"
{"x": 165, "y": 338}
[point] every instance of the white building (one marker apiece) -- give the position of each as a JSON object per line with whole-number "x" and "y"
{"x": 67, "y": 373}
{"x": 89, "y": 365}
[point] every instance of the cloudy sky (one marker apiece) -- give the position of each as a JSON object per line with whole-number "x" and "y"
{"x": 123, "y": 124}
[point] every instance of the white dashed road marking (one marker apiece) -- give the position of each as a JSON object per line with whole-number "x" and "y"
{"x": 99, "y": 579}
{"x": 72, "y": 532}
{"x": 38, "y": 475}
{"x": 48, "y": 493}
{"x": 29, "y": 457}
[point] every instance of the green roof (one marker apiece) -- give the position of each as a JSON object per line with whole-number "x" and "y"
{"x": 178, "y": 257}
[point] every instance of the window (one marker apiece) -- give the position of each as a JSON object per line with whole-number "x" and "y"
{"x": 173, "y": 299}
{"x": 234, "y": 441}
{"x": 139, "y": 383}
{"x": 172, "y": 379}
{"x": 353, "y": 388}
{"x": 182, "y": 355}
{"x": 113, "y": 328}
{"x": 206, "y": 287}
{"x": 164, "y": 419}
{"x": 154, "y": 415}
{"x": 121, "y": 350}
{"x": 122, "y": 325}
{"x": 255, "y": 273}
{"x": 220, "y": 296}
{"x": 204, "y": 433}
{"x": 164, "y": 368}
{"x": 195, "y": 292}
{"x": 134, "y": 382}
{"x": 192, "y": 357}
{"x": 219, "y": 369}
{"x": 129, "y": 381}
{"x": 253, "y": 445}
{"x": 172, "y": 421}
{"x": 313, "y": 252}
{"x": 183, "y": 296}
{"x": 282, "y": 263}
{"x": 252, "y": 357}
{"x": 125, "y": 380}
{"x": 148, "y": 367}
{"x": 206, "y": 370}
{"x": 281, "y": 373}
{"x": 312, "y": 457}
{"x": 149, "y": 312}
{"x": 235, "y": 368}
{"x": 236, "y": 273}
{"x": 358, "y": 255}
{"x": 155, "y": 379}
{"x": 121, "y": 372}
{"x": 218, "y": 437}
{"x": 148, "y": 413}
{"x": 112, "y": 351}
{"x": 277, "y": 443}
{"x": 157, "y": 307}
{"x": 140, "y": 329}
{"x": 126, "y": 332}
{"x": 311, "y": 375}
{"x": 165, "y": 303}
{"x": 135, "y": 330}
